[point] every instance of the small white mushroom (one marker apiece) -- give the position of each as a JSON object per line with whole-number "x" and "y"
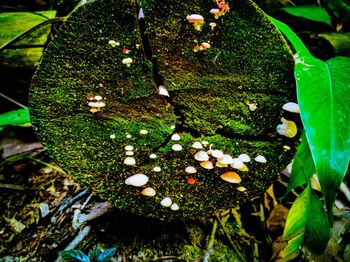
{"x": 176, "y": 147}
{"x": 163, "y": 91}
{"x": 287, "y": 128}
{"x": 197, "y": 145}
{"x": 237, "y": 164}
{"x": 217, "y": 153}
{"x": 191, "y": 170}
{"x": 207, "y": 164}
{"x": 201, "y": 156}
{"x": 212, "y": 25}
{"x": 166, "y": 202}
{"x": 112, "y": 43}
{"x": 129, "y": 148}
{"x": 291, "y": 107}
{"x": 174, "y": 207}
{"x": 244, "y": 158}
{"x": 286, "y": 148}
{"x": 148, "y": 191}
{"x": 112, "y": 136}
{"x": 129, "y": 153}
{"x": 260, "y": 159}
{"x": 130, "y": 161}
{"x": 128, "y": 136}
{"x": 127, "y": 61}
{"x": 241, "y": 188}
{"x": 143, "y": 132}
{"x": 226, "y": 159}
{"x": 205, "y": 143}
{"x": 172, "y": 127}
{"x": 196, "y": 20}
{"x": 137, "y": 180}
{"x": 152, "y": 156}
{"x": 98, "y": 98}
{"x": 175, "y": 137}
{"x": 157, "y": 169}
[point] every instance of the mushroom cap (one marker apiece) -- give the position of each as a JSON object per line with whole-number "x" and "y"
{"x": 191, "y": 170}
{"x": 197, "y": 145}
{"x": 237, "y": 163}
{"x": 129, "y": 161}
{"x": 207, "y": 164}
{"x": 137, "y": 180}
{"x": 96, "y": 104}
{"x": 129, "y": 153}
{"x": 175, "y": 137}
{"x": 148, "y": 191}
{"x": 163, "y": 91}
{"x": 157, "y": 169}
{"x": 244, "y": 158}
{"x": 221, "y": 165}
{"x": 166, "y": 202}
{"x": 231, "y": 177}
{"x": 195, "y": 18}
{"x": 143, "y": 132}
{"x": 127, "y": 60}
{"x": 176, "y": 147}
{"x": 98, "y": 98}
{"x": 215, "y": 11}
{"x": 174, "y": 207}
{"x": 287, "y": 128}
{"x": 291, "y": 107}
{"x": 129, "y": 148}
{"x": 205, "y": 45}
{"x": 201, "y": 156}
{"x": 226, "y": 159}
{"x": 217, "y": 153}
{"x": 152, "y": 156}
{"x": 260, "y": 159}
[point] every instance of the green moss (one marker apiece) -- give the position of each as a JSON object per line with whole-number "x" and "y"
{"x": 210, "y": 94}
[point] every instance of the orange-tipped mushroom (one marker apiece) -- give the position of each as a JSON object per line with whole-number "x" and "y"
{"x": 196, "y": 20}
{"x": 231, "y": 177}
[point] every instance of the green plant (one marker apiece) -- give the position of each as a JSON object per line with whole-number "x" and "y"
{"x": 324, "y": 99}
{"x": 95, "y": 255}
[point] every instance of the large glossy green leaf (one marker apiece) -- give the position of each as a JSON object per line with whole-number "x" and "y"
{"x": 314, "y": 13}
{"x": 323, "y": 90}
{"x": 16, "y": 118}
{"x": 306, "y": 223}
{"x": 303, "y": 166}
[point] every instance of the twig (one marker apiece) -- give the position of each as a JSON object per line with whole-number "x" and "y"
{"x": 11, "y": 186}
{"x": 13, "y": 101}
{"x": 211, "y": 242}
{"x": 68, "y": 203}
{"x": 98, "y": 210}
{"x": 23, "y": 35}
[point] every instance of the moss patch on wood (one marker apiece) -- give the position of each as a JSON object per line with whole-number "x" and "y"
{"x": 212, "y": 94}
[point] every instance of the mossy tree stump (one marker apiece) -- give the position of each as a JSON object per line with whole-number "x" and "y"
{"x": 230, "y": 95}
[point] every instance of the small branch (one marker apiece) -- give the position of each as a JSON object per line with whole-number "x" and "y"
{"x": 11, "y": 186}
{"x": 98, "y": 210}
{"x": 13, "y": 101}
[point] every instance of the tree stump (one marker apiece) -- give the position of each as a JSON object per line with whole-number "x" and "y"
{"x": 95, "y": 102}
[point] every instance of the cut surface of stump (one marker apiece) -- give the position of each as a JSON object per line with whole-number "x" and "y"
{"x": 96, "y": 107}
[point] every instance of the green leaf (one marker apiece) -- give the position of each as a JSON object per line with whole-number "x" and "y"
{"x": 323, "y": 90}
{"x": 314, "y": 13}
{"x": 74, "y": 255}
{"x": 106, "y": 255}
{"x": 303, "y": 166}
{"x": 306, "y": 223}
{"x": 291, "y": 251}
{"x": 94, "y": 253}
{"x": 16, "y": 118}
